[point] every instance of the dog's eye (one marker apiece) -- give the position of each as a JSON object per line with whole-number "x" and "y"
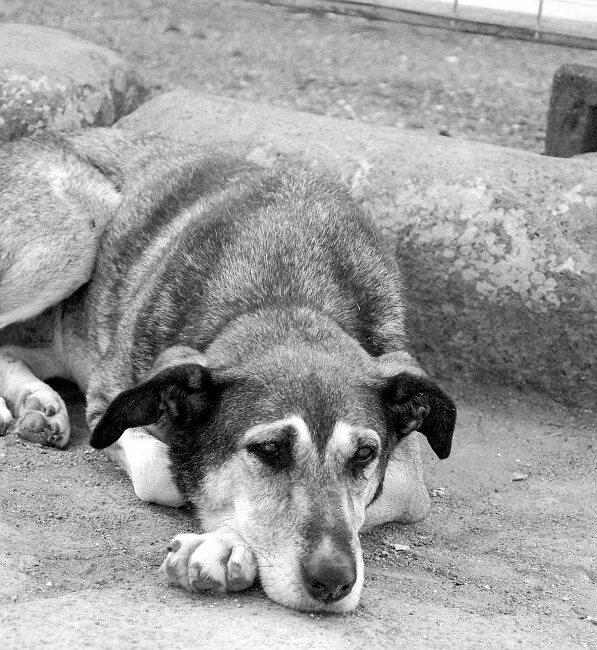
{"x": 267, "y": 450}
{"x": 275, "y": 455}
{"x": 364, "y": 454}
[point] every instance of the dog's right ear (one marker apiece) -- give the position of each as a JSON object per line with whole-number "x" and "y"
{"x": 180, "y": 391}
{"x": 415, "y": 403}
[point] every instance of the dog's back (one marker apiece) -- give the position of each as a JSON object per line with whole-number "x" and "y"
{"x": 293, "y": 236}
{"x": 296, "y": 239}
{"x": 238, "y": 239}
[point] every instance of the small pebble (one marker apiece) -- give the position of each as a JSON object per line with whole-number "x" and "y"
{"x": 520, "y": 477}
{"x": 401, "y": 547}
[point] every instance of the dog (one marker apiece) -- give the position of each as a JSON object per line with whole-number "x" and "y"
{"x": 238, "y": 334}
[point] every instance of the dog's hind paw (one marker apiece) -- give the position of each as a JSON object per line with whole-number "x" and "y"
{"x": 219, "y": 561}
{"x": 42, "y": 418}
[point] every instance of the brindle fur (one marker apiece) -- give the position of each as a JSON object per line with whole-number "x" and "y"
{"x": 197, "y": 299}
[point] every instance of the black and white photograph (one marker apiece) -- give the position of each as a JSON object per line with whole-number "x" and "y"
{"x": 298, "y": 324}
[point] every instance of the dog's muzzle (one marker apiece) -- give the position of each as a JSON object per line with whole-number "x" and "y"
{"x": 329, "y": 575}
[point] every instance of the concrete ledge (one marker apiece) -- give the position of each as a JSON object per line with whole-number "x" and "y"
{"x": 498, "y": 247}
{"x": 51, "y": 79}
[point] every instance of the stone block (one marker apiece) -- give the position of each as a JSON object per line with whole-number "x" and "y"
{"x": 52, "y": 79}
{"x": 572, "y": 118}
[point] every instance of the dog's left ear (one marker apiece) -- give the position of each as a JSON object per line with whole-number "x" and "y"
{"x": 415, "y": 403}
{"x": 180, "y": 391}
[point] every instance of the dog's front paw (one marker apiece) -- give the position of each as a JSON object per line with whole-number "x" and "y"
{"x": 5, "y": 418}
{"x": 42, "y": 418}
{"x": 219, "y": 561}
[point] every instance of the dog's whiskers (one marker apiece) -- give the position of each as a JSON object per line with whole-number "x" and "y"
{"x": 222, "y": 521}
{"x": 261, "y": 553}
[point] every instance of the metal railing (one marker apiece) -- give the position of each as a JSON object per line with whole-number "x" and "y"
{"x": 577, "y": 11}
{"x": 562, "y": 22}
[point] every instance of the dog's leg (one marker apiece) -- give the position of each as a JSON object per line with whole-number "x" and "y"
{"x": 145, "y": 459}
{"x": 404, "y": 498}
{"x": 219, "y": 561}
{"x": 28, "y": 406}
{"x": 139, "y": 451}
{"x": 5, "y": 417}
{"x": 54, "y": 210}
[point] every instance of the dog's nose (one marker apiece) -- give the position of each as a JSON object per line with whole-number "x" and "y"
{"x": 329, "y": 577}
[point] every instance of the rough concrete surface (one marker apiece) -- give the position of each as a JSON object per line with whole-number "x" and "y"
{"x": 506, "y": 559}
{"x": 49, "y": 78}
{"x": 465, "y": 85}
{"x": 498, "y": 246}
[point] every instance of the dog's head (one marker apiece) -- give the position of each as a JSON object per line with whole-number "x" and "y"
{"x": 289, "y": 447}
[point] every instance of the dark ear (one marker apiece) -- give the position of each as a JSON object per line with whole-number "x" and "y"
{"x": 415, "y": 403}
{"x": 180, "y": 391}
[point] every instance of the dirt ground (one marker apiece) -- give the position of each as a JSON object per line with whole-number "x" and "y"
{"x": 476, "y": 87}
{"x": 507, "y": 557}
